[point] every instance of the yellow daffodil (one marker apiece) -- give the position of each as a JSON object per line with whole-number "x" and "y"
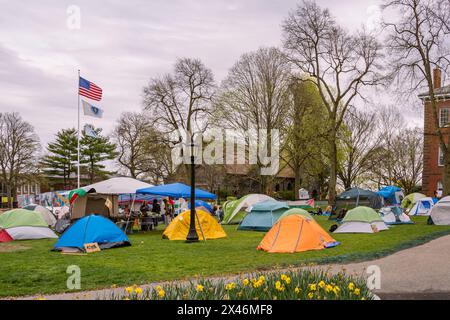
{"x": 245, "y": 282}
{"x": 283, "y": 277}
{"x": 161, "y": 293}
{"x": 230, "y": 286}
{"x": 313, "y": 287}
{"x": 199, "y": 288}
{"x": 336, "y": 290}
{"x": 129, "y": 290}
{"x": 114, "y": 286}
{"x": 138, "y": 290}
{"x": 351, "y": 286}
{"x": 262, "y": 278}
{"x": 329, "y": 288}
{"x": 287, "y": 280}
{"x": 310, "y": 295}
{"x": 297, "y": 290}
{"x": 357, "y": 291}
{"x": 321, "y": 284}
{"x": 279, "y": 286}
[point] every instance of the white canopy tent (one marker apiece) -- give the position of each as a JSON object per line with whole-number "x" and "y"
{"x": 102, "y": 197}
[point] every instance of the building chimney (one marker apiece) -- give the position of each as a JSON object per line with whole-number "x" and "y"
{"x": 436, "y": 78}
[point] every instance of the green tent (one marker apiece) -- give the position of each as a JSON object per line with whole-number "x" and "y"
{"x": 297, "y": 211}
{"x": 229, "y": 208}
{"x": 21, "y": 218}
{"x": 362, "y": 220}
{"x": 410, "y": 200}
{"x": 362, "y": 214}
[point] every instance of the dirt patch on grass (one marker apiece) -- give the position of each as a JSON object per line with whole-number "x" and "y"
{"x": 12, "y": 248}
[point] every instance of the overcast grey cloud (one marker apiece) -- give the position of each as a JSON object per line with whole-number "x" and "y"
{"x": 121, "y": 44}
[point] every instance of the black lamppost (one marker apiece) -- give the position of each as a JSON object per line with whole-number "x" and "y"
{"x": 192, "y": 235}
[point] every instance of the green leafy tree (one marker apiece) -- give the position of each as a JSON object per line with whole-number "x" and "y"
{"x": 94, "y": 152}
{"x": 62, "y": 155}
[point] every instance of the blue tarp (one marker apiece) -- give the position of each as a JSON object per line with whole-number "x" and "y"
{"x": 176, "y": 190}
{"x": 388, "y": 193}
{"x": 201, "y": 203}
{"x": 90, "y": 229}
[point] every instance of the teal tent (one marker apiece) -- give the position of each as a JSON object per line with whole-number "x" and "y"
{"x": 263, "y": 215}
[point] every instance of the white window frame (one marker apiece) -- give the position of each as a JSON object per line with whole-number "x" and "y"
{"x": 440, "y": 157}
{"x": 443, "y": 123}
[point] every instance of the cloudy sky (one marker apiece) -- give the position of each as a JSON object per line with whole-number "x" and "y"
{"x": 121, "y": 44}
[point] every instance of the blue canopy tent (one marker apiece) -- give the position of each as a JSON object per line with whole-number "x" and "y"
{"x": 204, "y": 204}
{"x": 176, "y": 190}
{"x": 392, "y": 195}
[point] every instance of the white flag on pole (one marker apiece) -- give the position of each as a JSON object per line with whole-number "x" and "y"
{"x": 90, "y": 110}
{"x": 89, "y": 131}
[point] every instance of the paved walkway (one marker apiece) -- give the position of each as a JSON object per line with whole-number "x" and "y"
{"x": 419, "y": 272}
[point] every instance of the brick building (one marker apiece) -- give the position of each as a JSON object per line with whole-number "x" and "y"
{"x": 433, "y": 160}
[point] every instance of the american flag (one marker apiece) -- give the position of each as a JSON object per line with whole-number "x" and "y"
{"x": 89, "y": 90}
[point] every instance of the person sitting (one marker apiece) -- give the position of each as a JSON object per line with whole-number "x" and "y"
{"x": 341, "y": 215}
{"x": 319, "y": 212}
{"x": 328, "y": 211}
{"x": 144, "y": 209}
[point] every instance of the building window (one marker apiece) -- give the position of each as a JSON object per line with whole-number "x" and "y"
{"x": 444, "y": 117}
{"x": 440, "y": 158}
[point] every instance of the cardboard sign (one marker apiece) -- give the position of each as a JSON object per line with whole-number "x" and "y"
{"x": 91, "y": 247}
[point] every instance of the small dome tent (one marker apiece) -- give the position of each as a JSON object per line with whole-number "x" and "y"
{"x": 263, "y": 215}
{"x": 361, "y": 220}
{"x": 296, "y": 233}
{"x": 409, "y": 201}
{"x": 235, "y": 211}
{"x": 422, "y": 207}
{"x": 394, "y": 215}
{"x": 44, "y": 212}
{"x": 24, "y": 224}
{"x": 440, "y": 213}
{"x": 206, "y": 226}
{"x": 92, "y": 229}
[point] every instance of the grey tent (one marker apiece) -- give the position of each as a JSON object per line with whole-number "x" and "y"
{"x": 355, "y": 197}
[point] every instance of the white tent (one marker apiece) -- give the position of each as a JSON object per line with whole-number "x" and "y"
{"x": 422, "y": 207}
{"x": 102, "y": 197}
{"x": 362, "y": 220}
{"x": 394, "y": 215}
{"x": 30, "y": 233}
{"x": 116, "y": 186}
{"x": 440, "y": 213}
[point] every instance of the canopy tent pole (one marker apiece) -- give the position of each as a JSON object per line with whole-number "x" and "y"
{"x": 200, "y": 225}
{"x": 78, "y": 133}
{"x": 132, "y": 206}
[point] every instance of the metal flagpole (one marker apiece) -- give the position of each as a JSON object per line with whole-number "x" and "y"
{"x": 78, "y": 138}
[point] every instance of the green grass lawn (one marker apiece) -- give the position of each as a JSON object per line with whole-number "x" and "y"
{"x": 33, "y": 269}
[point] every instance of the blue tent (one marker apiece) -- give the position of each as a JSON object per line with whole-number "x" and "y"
{"x": 392, "y": 195}
{"x": 92, "y": 229}
{"x": 263, "y": 215}
{"x": 176, "y": 190}
{"x": 204, "y": 204}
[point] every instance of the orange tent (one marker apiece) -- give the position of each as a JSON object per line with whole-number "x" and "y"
{"x": 296, "y": 233}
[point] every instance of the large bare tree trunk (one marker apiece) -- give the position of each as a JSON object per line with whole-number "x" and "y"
{"x": 333, "y": 167}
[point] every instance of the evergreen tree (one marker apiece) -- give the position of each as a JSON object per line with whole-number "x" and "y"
{"x": 94, "y": 151}
{"x": 62, "y": 155}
